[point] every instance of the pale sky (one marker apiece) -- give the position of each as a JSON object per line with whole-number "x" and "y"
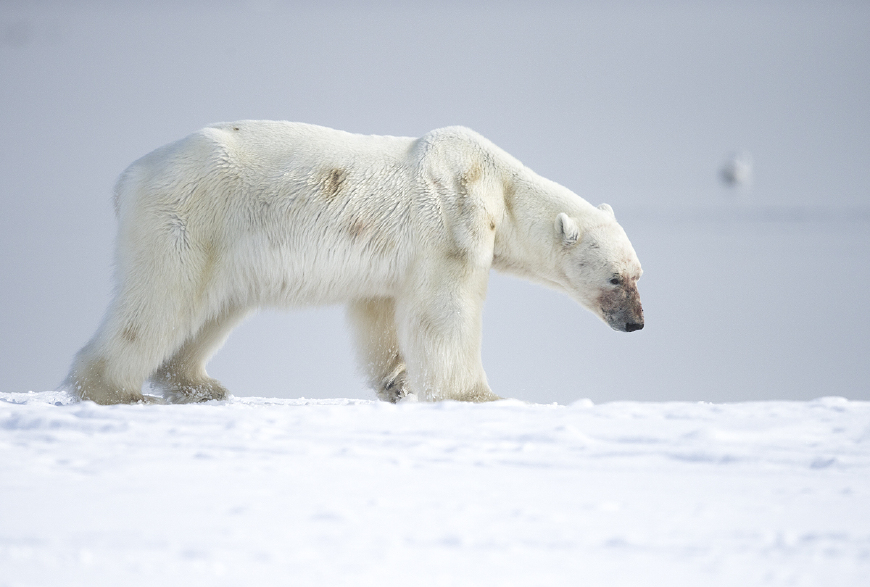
{"x": 757, "y": 293}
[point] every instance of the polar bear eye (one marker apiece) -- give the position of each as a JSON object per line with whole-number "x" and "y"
{"x": 615, "y": 281}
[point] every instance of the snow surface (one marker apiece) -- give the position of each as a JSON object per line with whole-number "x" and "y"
{"x": 257, "y": 491}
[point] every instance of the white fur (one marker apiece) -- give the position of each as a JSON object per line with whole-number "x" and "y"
{"x": 244, "y": 215}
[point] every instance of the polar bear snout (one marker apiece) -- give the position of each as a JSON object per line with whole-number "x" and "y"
{"x": 624, "y": 322}
{"x": 621, "y": 308}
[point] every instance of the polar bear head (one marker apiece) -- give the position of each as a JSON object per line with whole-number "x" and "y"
{"x": 600, "y": 268}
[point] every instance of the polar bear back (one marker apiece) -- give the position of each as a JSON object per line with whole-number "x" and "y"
{"x": 284, "y": 212}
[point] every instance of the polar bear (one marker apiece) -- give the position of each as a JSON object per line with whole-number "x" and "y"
{"x": 252, "y": 214}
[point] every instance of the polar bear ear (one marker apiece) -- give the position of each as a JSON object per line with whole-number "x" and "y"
{"x": 607, "y": 208}
{"x": 567, "y": 229}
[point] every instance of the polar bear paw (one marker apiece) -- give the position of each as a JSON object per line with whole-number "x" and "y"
{"x": 88, "y": 381}
{"x": 176, "y": 391}
{"x": 394, "y": 387}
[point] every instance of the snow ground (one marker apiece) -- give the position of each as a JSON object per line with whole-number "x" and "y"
{"x": 257, "y": 491}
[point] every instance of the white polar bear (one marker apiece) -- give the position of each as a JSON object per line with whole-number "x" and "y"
{"x": 249, "y": 214}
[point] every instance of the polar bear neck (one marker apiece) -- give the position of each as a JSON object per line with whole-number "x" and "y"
{"x": 526, "y": 238}
{"x": 522, "y": 205}
{"x": 495, "y": 188}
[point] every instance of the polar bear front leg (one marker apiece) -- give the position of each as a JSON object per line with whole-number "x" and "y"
{"x": 183, "y": 377}
{"x": 439, "y": 326}
{"x": 373, "y": 322}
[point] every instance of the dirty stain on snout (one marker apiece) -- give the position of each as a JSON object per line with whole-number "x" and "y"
{"x": 621, "y": 307}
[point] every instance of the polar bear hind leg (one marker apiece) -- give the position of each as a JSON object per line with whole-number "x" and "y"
{"x": 140, "y": 329}
{"x": 182, "y": 377}
{"x": 157, "y": 308}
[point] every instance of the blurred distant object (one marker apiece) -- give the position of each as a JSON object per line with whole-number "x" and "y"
{"x": 737, "y": 170}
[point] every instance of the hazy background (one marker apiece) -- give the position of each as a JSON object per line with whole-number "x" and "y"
{"x": 754, "y": 293}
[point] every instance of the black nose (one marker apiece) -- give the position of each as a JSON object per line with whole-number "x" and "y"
{"x": 632, "y": 326}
